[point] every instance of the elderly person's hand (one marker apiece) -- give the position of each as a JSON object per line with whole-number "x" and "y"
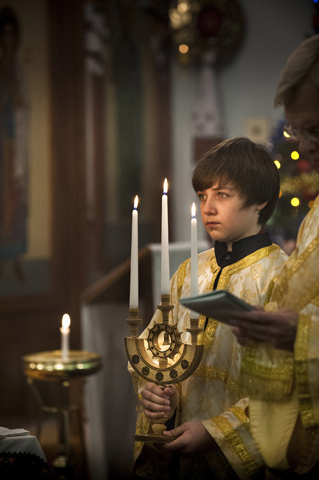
{"x": 278, "y": 328}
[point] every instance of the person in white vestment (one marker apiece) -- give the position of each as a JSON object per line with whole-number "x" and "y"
{"x": 280, "y": 369}
{"x": 238, "y": 186}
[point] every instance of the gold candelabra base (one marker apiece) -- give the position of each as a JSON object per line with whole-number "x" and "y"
{"x": 172, "y": 362}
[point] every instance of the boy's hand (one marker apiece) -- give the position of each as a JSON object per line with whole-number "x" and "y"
{"x": 193, "y": 439}
{"x": 158, "y": 402}
{"x": 278, "y": 328}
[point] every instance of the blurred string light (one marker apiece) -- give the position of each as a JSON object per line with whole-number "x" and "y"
{"x": 295, "y": 155}
{"x": 277, "y": 163}
{"x": 304, "y": 181}
{"x": 183, "y": 48}
{"x": 295, "y": 202}
{"x": 206, "y": 26}
{"x": 180, "y": 16}
{"x": 286, "y": 134}
{"x": 183, "y": 7}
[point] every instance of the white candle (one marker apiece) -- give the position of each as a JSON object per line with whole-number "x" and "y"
{"x": 194, "y": 258}
{"x": 194, "y": 252}
{"x": 134, "y": 257}
{"x": 165, "y": 253}
{"x": 65, "y": 334}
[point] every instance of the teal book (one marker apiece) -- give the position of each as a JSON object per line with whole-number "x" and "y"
{"x": 218, "y": 304}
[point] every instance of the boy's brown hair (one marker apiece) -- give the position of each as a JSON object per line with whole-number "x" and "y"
{"x": 248, "y": 166}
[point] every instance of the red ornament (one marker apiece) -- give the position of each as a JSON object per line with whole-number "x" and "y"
{"x": 304, "y": 166}
{"x": 307, "y": 195}
{"x": 209, "y": 22}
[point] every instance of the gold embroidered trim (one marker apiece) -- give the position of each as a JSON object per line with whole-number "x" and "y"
{"x": 214, "y": 268}
{"x": 238, "y": 447}
{"x": 306, "y": 456}
{"x": 268, "y": 382}
{"x": 142, "y": 428}
{"x": 241, "y": 416}
{"x": 207, "y": 337}
{"x": 217, "y": 374}
{"x": 305, "y": 254}
{"x": 309, "y": 216}
{"x": 202, "y": 321}
{"x": 301, "y": 367}
{"x": 245, "y": 263}
{"x": 308, "y": 296}
{"x": 181, "y": 274}
{"x": 315, "y": 300}
{"x": 281, "y": 287}
{"x": 270, "y": 289}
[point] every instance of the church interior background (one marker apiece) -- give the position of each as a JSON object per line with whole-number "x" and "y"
{"x": 115, "y": 96}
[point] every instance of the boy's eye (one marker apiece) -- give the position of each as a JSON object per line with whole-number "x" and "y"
{"x": 201, "y": 196}
{"x": 222, "y": 194}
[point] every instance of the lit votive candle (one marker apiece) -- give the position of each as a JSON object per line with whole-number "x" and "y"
{"x": 65, "y": 336}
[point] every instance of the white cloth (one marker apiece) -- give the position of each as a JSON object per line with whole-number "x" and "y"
{"x": 15, "y": 432}
{"x": 23, "y": 442}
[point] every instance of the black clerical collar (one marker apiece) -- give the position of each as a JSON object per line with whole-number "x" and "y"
{"x": 240, "y": 249}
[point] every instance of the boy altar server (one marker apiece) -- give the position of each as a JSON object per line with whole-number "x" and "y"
{"x": 238, "y": 186}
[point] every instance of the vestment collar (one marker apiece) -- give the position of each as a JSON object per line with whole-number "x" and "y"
{"x": 240, "y": 249}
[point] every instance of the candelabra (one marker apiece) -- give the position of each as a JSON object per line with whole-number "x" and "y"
{"x": 173, "y": 361}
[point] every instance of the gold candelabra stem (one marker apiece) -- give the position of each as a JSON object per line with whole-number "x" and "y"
{"x": 165, "y": 307}
{"x": 133, "y": 321}
{"x": 194, "y": 329}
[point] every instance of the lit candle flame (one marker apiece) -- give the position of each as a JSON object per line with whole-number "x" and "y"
{"x": 135, "y": 202}
{"x": 66, "y": 321}
{"x": 165, "y": 187}
{"x": 193, "y": 210}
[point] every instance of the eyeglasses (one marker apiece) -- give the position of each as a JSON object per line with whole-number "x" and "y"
{"x": 294, "y": 133}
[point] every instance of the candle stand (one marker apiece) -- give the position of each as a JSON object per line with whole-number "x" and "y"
{"x": 51, "y": 367}
{"x": 175, "y": 361}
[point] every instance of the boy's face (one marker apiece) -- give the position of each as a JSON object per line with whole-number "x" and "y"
{"x": 224, "y": 217}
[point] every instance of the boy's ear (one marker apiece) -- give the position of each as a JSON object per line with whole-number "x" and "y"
{"x": 261, "y": 206}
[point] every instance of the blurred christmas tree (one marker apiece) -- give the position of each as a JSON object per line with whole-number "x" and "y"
{"x": 299, "y": 186}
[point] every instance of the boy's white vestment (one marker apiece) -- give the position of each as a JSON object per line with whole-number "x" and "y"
{"x": 212, "y": 394}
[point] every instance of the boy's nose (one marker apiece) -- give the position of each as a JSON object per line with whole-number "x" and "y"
{"x": 210, "y": 207}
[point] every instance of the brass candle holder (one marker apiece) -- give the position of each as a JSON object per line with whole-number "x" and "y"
{"x": 175, "y": 361}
